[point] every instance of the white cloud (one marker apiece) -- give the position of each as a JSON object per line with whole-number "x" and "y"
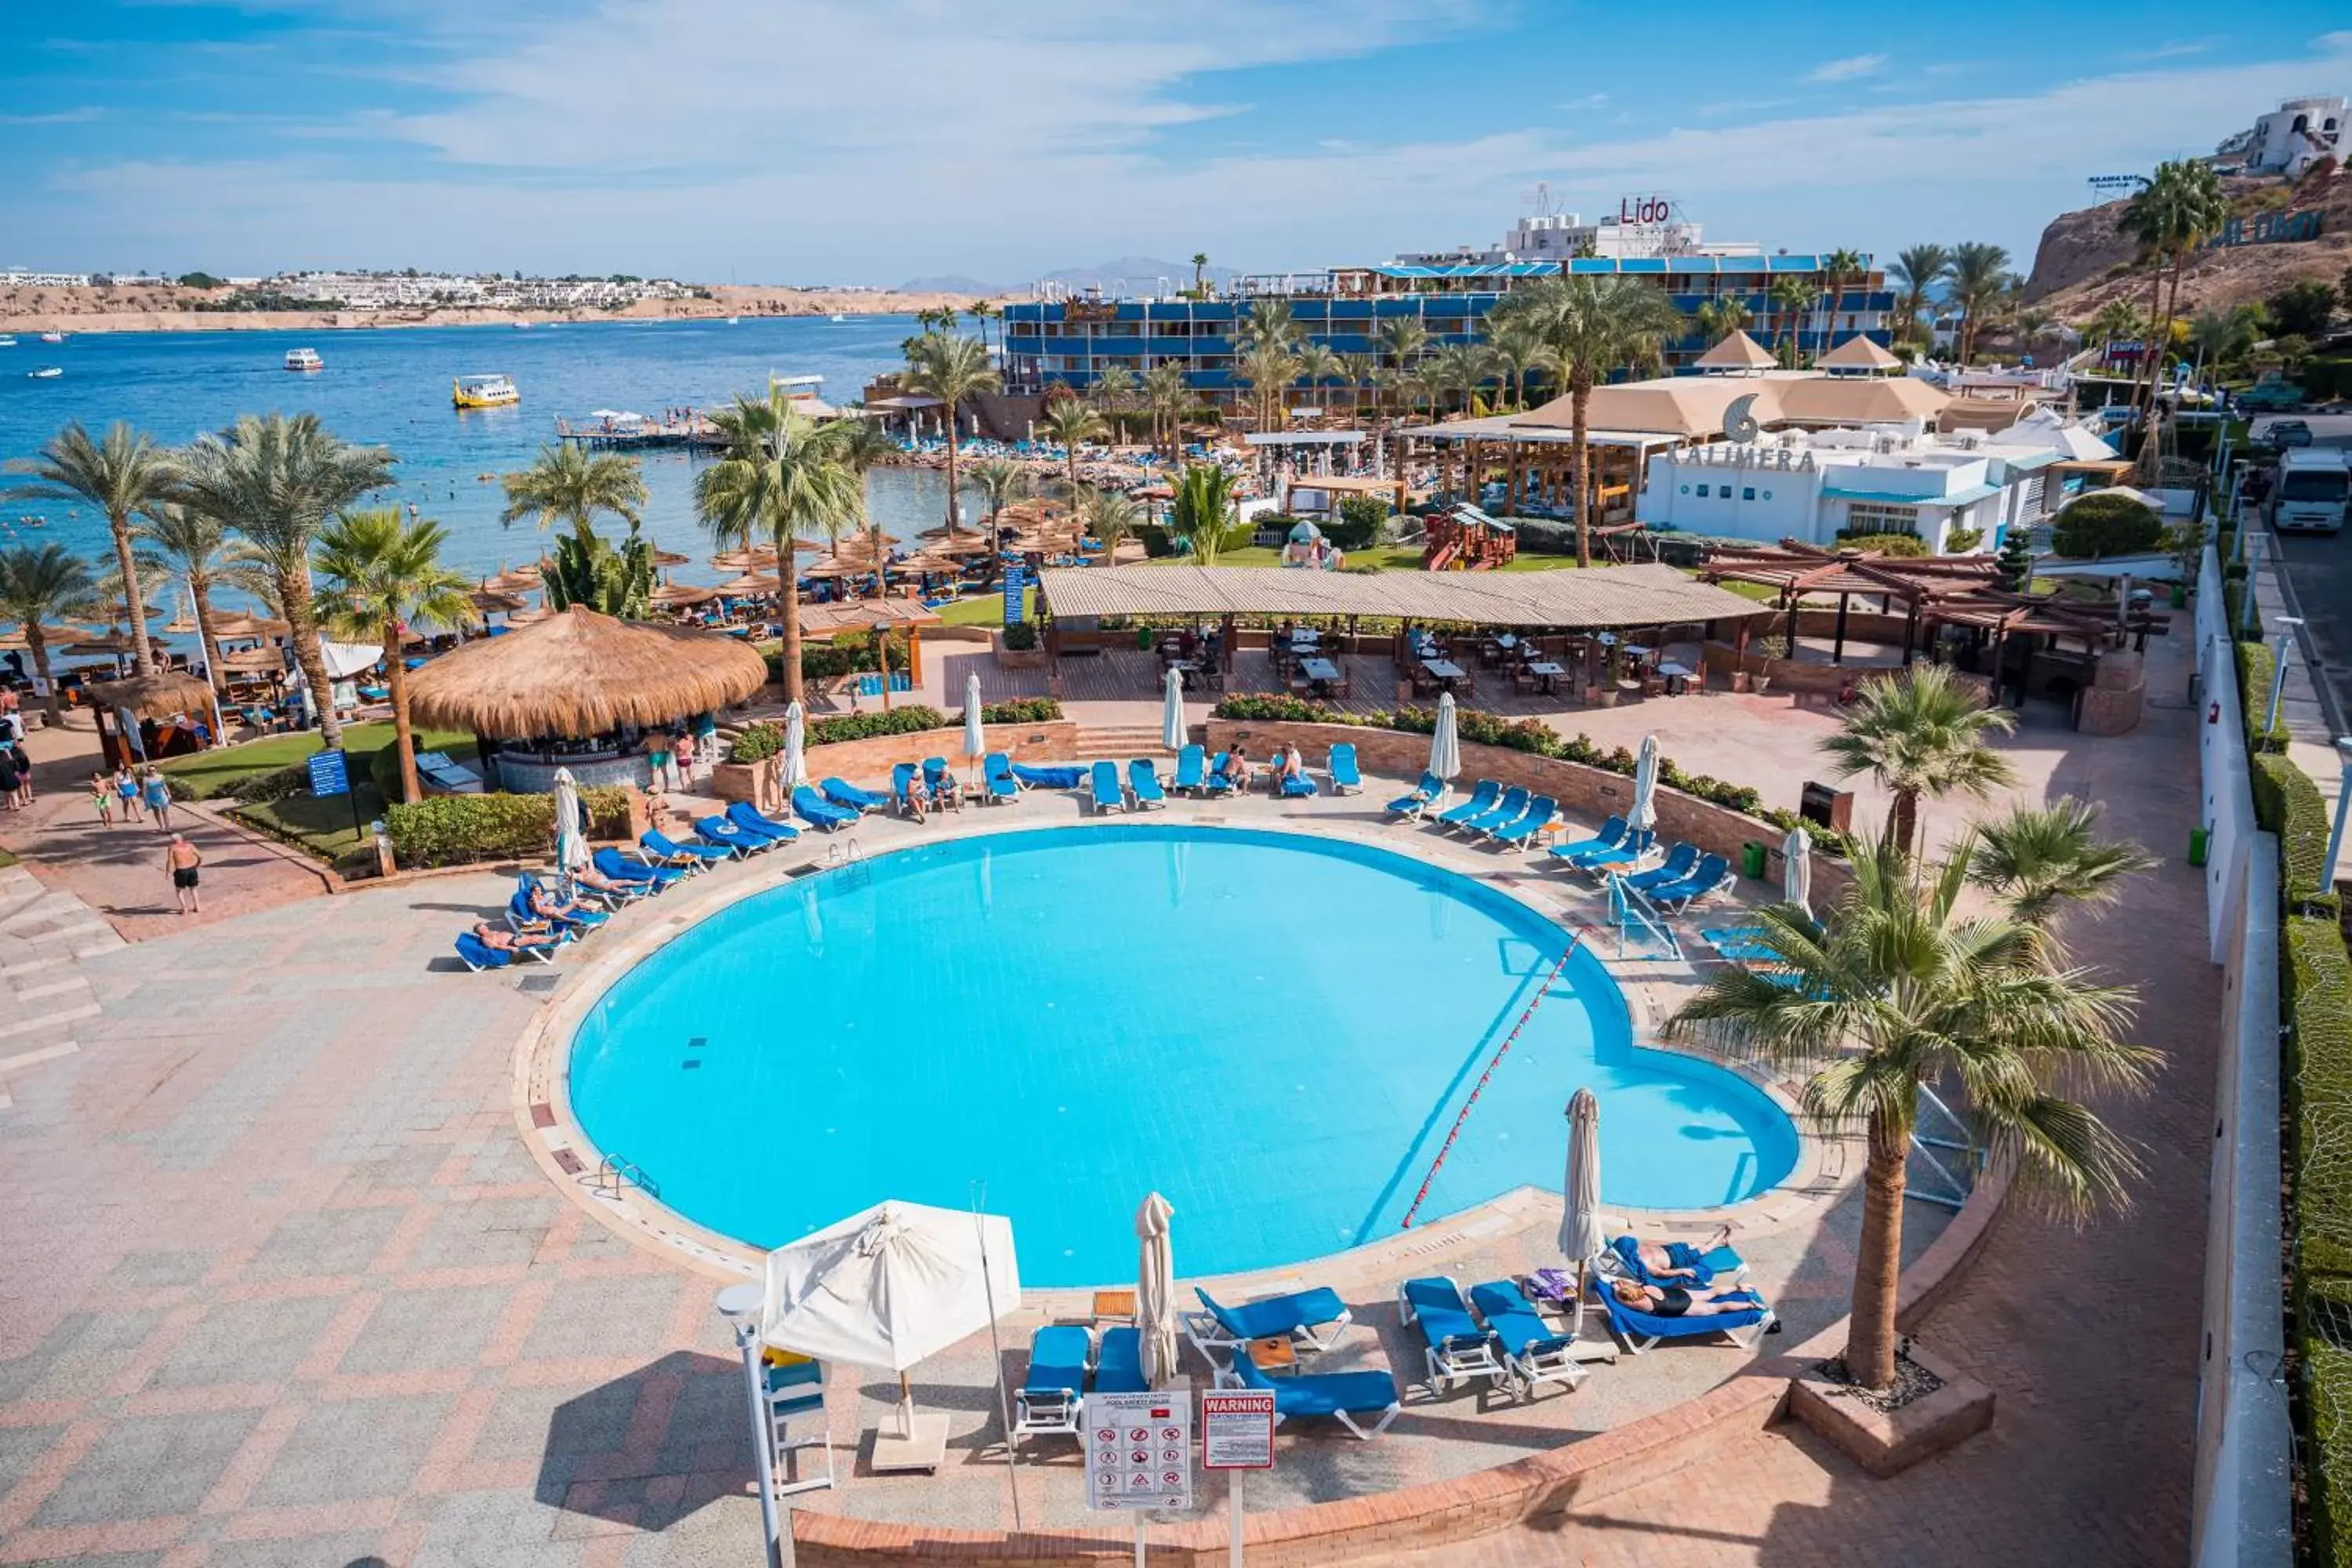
{"x": 2178, "y": 49}
{"x": 1848, "y": 68}
{"x": 82, "y": 116}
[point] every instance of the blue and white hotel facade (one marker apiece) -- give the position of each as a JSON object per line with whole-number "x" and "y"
{"x": 1073, "y": 342}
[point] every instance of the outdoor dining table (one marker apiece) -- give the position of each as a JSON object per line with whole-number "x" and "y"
{"x": 1444, "y": 670}
{"x": 1674, "y": 673}
{"x": 1320, "y": 673}
{"x": 1185, "y": 669}
{"x": 1547, "y": 674}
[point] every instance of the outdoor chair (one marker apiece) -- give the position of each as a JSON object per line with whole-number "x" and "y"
{"x": 1482, "y": 800}
{"x": 1344, "y": 1396}
{"x": 660, "y": 850}
{"x": 1104, "y": 787}
{"x": 1143, "y": 783}
{"x": 1298, "y": 1317}
{"x": 1534, "y": 1352}
{"x": 1048, "y": 1399}
{"x": 818, "y": 812}
{"x": 1453, "y": 1345}
{"x": 752, "y": 820}
{"x": 1639, "y": 1330}
{"x": 1424, "y": 794}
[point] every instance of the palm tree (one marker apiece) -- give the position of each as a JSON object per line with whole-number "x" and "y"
{"x": 1920, "y": 734}
{"x": 1722, "y": 316}
{"x": 1403, "y": 340}
{"x": 2220, "y": 336}
{"x": 1462, "y": 369}
{"x": 1109, "y": 517}
{"x": 1114, "y": 389}
{"x": 1000, "y": 482}
{"x": 862, "y": 446}
{"x": 1318, "y": 363}
{"x": 1979, "y": 275}
{"x": 1516, "y": 350}
{"x": 1591, "y": 326}
{"x": 382, "y": 574}
{"x": 1839, "y": 269}
{"x": 200, "y": 550}
{"x": 1071, "y": 423}
{"x": 276, "y": 480}
{"x": 567, "y": 483}
{"x": 1202, "y": 510}
{"x": 40, "y": 585}
{"x": 780, "y": 472}
{"x": 1791, "y": 296}
{"x": 2171, "y": 217}
{"x": 1268, "y": 324}
{"x": 950, "y": 369}
{"x": 2113, "y": 322}
{"x": 1898, "y": 989}
{"x": 2041, "y": 859}
{"x": 1358, "y": 373}
{"x": 1200, "y": 275}
{"x": 1916, "y": 270}
{"x": 121, "y": 474}
{"x": 1267, "y": 369}
{"x": 1168, "y": 393}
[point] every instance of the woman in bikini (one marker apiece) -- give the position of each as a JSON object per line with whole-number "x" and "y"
{"x": 1679, "y": 1302}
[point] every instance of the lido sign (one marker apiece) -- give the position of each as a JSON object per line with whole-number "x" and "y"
{"x": 1644, "y": 209}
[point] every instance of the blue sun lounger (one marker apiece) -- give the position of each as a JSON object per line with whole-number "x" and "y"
{"x": 1534, "y": 1352}
{"x": 1712, "y": 873}
{"x": 1482, "y": 800}
{"x": 1627, "y": 851}
{"x": 1217, "y": 782}
{"x": 667, "y": 851}
{"x": 1679, "y": 863}
{"x": 1118, "y": 1362}
{"x": 1192, "y": 770}
{"x": 1299, "y": 1317}
{"x": 1453, "y": 1346}
{"x": 1624, "y": 1255}
{"x": 1343, "y": 1395}
{"x": 1427, "y": 794}
{"x": 1103, "y": 787}
{"x": 818, "y": 812}
{"x": 939, "y": 785}
{"x": 1612, "y": 835}
{"x": 1513, "y": 802}
{"x": 1642, "y": 1330}
{"x": 1345, "y": 779}
{"x": 720, "y": 831}
{"x": 841, "y": 791}
{"x": 1540, "y": 813}
{"x": 996, "y": 776}
{"x": 1069, "y": 777}
{"x": 1143, "y": 783}
{"x": 478, "y": 955}
{"x": 522, "y": 918}
{"x": 1296, "y": 786}
{"x": 902, "y": 788}
{"x": 1048, "y": 1398}
{"x": 752, "y": 820}
{"x": 615, "y": 866}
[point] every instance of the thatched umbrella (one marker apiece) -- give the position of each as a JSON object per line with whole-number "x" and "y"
{"x": 238, "y": 628}
{"x": 751, "y": 585}
{"x": 518, "y": 580}
{"x": 680, "y": 596}
{"x": 494, "y": 601}
{"x": 162, "y": 695}
{"x": 254, "y": 661}
{"x": 580, "y": 673}
{"x": 670, "y": 557}
{"x": 52, "y": 637}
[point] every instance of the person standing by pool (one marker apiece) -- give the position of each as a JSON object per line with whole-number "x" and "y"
{"x": 159, "y": 799}
{"x": 183, "y": 860}
{"x": 10, "y": 783}
{"x": 682, "y": 748}
{"x": 658, "y": 754}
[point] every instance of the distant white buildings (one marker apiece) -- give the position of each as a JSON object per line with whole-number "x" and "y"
{"x": 429, "y": 290}
{"x": 18, "y": 277}
{"x": 1641, "y": 227}
{"x": 2290, "y": 138}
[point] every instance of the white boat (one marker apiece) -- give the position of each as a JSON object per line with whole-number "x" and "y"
{"x": 734, "y": 321}
{"x": 53, "y": 337}
{"x": 304, "y": 359}
{"x": 484, "y": 392}
{"x": 7, "y": 342}
{"x": 837, "y": 316}
{"x": 45, "y": 372}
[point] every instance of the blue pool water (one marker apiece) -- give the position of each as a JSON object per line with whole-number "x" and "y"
{"x": 1274, "y": 1031}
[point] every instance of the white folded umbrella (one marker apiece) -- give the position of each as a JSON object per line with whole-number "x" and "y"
{"x": 1642, "y": 817}
{"x": 795, "y": 748}
{"x": 571, "y": 849}
{"x": 1173, "y": 728}
{"x": 975, "y": 738}
{"x": 1445, "y": 742}
{"x": 1155, "y": 1289}
{"x": 1797, "y": 869}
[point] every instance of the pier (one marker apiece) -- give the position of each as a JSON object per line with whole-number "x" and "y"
{"x": 635, "y": 433}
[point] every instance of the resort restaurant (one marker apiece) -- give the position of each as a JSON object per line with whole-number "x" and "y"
{"x": 581, "y": 691}
{"x": 1544, "y": 632}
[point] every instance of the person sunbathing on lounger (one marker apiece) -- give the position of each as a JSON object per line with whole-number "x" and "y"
{"x": 548, "y": 907}
{"x": 1293, "y": 763}
{"x": 1679, "y": 1259}
{"x": 504, "y": 941}
{"x": 1675, "y": 1301}
{"x": 1236, "y": 771}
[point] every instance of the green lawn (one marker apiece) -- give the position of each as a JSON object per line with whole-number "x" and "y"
{"x": 985, "y": 610}
{"x": 322, "y": 825}
{"x": 208, "y": 774}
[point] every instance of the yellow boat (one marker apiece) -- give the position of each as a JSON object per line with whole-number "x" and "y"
{"x": 483, "y": 392}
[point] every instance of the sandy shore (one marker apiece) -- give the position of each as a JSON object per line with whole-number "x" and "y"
{"x": 167, "y": 310}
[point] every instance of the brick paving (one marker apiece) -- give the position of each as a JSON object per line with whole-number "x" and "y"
{"x": 284, "y": 1286}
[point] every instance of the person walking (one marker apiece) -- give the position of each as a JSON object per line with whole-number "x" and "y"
{"x": 159, "y": 799}
{"x": 682, "y": 747}
{"x": 24, "y": 769}
{"x": 126, "y": 790}
{"x": 11, "y": 785}
{"x": 101, "y": 796}
{"x": 183, "y": 860}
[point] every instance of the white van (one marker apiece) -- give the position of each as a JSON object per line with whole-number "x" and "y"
{"x": 2315, "y": 490}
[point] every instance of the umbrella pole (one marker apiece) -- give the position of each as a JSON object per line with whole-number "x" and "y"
{"x": 996, "y": 1351}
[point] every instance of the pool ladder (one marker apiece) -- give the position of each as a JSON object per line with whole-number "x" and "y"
{"x": 845, "y": 852}
{"x": 1492, "y": 1063}
{"x": 614, "y": 1174}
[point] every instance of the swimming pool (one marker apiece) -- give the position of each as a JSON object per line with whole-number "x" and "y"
{"x": 1274, "y": 1030}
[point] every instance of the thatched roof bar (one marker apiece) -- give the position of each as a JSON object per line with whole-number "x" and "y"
{"x": 580, "y": 673}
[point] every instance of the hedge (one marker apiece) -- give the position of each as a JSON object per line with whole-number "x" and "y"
{"x": 2257, "y": 664}
{"x": 1534, "y": 737}
{"x": 757, "y": 742}
{"x": 454, "y": 829}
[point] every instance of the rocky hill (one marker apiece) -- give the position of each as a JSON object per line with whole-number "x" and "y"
{"x": 2084, "y": 261}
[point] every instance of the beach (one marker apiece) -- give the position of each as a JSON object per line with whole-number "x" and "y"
{"x": 171, "y": 309}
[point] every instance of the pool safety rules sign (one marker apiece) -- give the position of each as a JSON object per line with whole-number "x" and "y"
{"x": 1237, "y": 1429}
{"x": 1139, "y": 1449}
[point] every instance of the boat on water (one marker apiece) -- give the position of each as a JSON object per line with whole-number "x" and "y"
{"x": 7, "y": 342}
{"x": 45, "y": 372}
{"x": 837, "y": 317}
{"x": 304, "y": 359}
{"x": 53, "y": 337}
{"x": 484, "y": 392}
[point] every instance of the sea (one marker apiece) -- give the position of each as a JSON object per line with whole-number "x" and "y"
{"x": 390, "y": 387}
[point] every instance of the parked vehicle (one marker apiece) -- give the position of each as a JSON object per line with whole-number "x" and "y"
{"x": 2281, "y": 434}
{"x": 2315, "y": 490}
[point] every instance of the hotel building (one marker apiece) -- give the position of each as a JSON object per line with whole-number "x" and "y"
{"x": 1072, "y": 342}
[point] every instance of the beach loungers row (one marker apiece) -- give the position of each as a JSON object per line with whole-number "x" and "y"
{"x": 1518, "y": 817}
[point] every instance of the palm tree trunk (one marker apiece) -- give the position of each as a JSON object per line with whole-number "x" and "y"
{"x": 143, "y": 655}
{"x": 1878, "y": 1261}
{"x": 39, "y": 647}
{"x": 294, "y": 589}
{"x": 951, "y": 505}
{"x": 1581, "y": 456}
{"x": 1903, "y": 816}
{"x": 200, "y": 593}
{"x": 788, "y": 593}
{"x": 403, "y": 734}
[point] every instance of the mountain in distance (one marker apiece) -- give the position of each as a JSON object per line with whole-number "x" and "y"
{"x": 1128, "y": 274}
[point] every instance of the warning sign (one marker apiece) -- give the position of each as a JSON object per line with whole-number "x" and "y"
{"x": 1237, "y": 1429}
{"x": 1138, "y": 1449}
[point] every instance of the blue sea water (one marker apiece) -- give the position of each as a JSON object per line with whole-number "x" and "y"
{"x": 391, "y": 386}
{"x": 1273, "y": 1031}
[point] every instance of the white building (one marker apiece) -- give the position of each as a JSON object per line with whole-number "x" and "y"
{"x": 17, "y": 278}
{"x": 2292, "y": 137}
{"x": 1813, "y": 485}
{"x": 1641, "y": 227}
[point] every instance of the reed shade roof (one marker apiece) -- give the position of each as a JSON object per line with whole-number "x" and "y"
{"x": 579, "y": 673}
{"x": 864, "y": 616}
{"x": 113, "y": 640}
{"x": 225, "y": 626}
{"x": 670, "y": 557}
{"x": 750, "y": 582}
{"x": 254, "y": 661}
{"x": 825, "y": 570}
{"x": 157, "y": 696}
{"x": 493, "y": 601}
{"x": 55, "y": 636}
{"x": 925, "y": 561}
{"x": 518, "y": 580}
{"x": 677, "y": 595}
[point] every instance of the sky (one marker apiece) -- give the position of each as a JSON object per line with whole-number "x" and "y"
{"x": 870, "y": 141}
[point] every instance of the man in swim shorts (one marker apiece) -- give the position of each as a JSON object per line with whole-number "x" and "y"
{"x": 183, "y": 860}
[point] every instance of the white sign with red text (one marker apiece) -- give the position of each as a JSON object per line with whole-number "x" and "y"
{"x": 1237, "y": 1429}
{"x": 1138, "y": 1449}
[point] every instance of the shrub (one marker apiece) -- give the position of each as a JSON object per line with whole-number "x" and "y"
{"x": 756, "y": 742}
{"x": 2288, "y": 803}
{"x": 2106, "y": 525}
{"x": 865, "y": 726}
{"x": 2257, "y": 665}
{"x": 454, "y": 829}
{"x": 1362, "y": 522}
{"x": 1542, "y": 536}
{"x": 277, "y": 784}
{"x": 1961, "y": 541}
{"x": 1903, "y": 544}
{"x": 1020, "y": 711}
{"x": 1021, "y": 637}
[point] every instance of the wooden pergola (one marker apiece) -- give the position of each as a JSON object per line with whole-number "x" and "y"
{"x": 1796, "y": 571}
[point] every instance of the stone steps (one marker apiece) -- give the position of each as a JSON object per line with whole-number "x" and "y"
{"x": 43, "y": 996}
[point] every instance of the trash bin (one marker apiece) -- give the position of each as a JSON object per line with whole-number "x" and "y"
{"x": 1751, "y": 860}
{"x": 1827, "y": 806}
{"x": 2200, "y": 839}
{"x": 1143, "y": 635}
